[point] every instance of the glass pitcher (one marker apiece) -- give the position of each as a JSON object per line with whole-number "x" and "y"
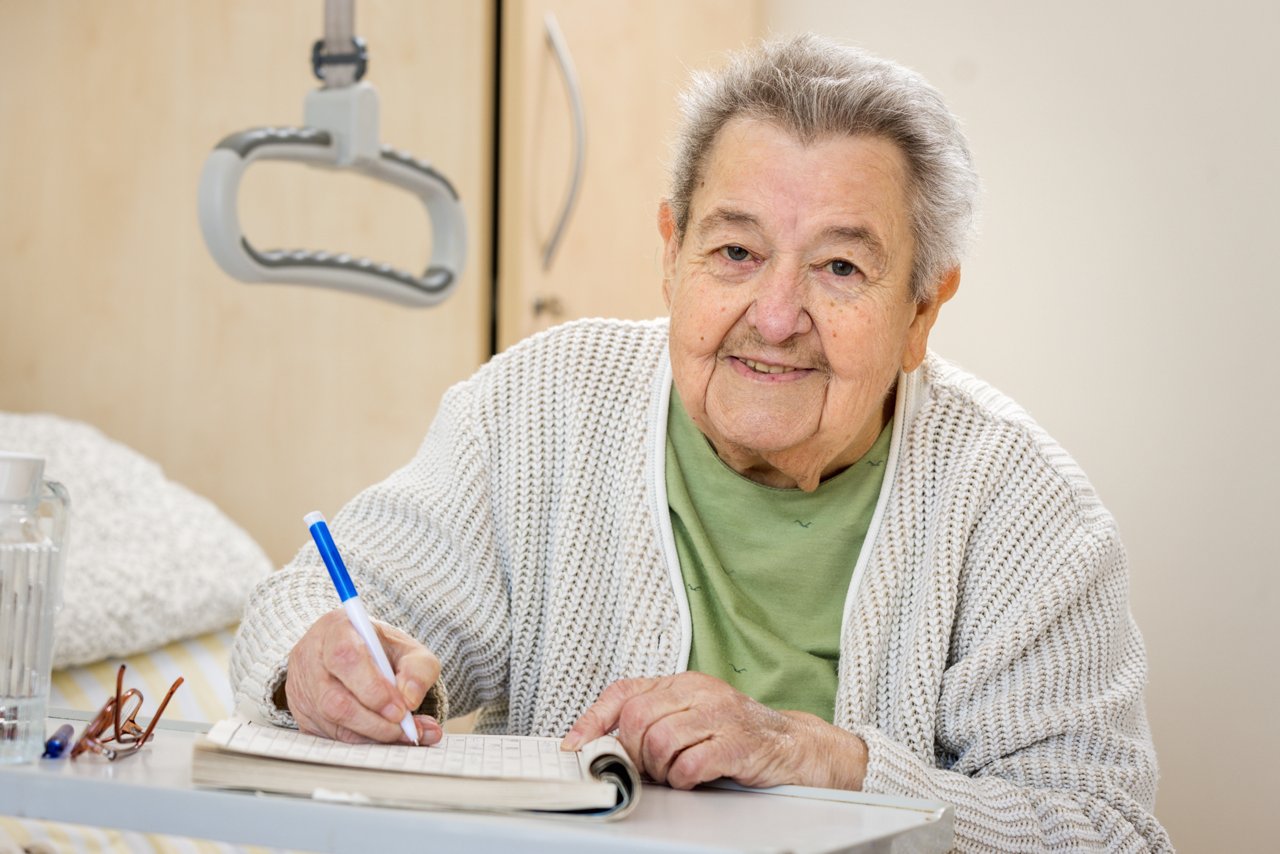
{"x": 33, "y": 532}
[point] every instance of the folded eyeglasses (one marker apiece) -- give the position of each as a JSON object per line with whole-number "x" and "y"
{"x": 114, "y": 732}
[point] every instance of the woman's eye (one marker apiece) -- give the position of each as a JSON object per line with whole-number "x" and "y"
{"x": 840, "y": 267}
{"x": 735, "y": 253}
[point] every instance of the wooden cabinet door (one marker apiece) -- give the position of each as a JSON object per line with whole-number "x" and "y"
{"x": 631, "y": 59}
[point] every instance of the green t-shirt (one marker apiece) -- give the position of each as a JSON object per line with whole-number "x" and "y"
{"x": 767, "y": 570}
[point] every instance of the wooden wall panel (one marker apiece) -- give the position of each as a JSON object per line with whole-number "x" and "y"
{"x": 269, "y": 400}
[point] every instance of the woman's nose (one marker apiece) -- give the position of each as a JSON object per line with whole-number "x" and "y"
{"x": 778, "y": 311}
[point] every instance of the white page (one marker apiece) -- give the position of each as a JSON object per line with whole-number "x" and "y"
{"x": 507, "y": 756}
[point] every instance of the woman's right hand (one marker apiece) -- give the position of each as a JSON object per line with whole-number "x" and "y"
{"x": 333, "y": 687}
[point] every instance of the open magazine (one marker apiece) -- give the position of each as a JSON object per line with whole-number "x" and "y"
{"x": 504, "y": 773}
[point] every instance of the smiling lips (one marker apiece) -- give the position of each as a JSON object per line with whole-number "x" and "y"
{"x": 766, "y": 368}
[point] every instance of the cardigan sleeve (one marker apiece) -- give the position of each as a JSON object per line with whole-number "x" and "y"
{"x": 420, "y": 548}
{"x": 1042, "y": 742}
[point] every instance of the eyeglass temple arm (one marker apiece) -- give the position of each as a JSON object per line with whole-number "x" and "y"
{"x": 155, "y": 718}
{"x": 115, "y": 707}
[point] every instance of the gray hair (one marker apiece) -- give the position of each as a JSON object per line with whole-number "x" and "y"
{"x": 812, "y": 87}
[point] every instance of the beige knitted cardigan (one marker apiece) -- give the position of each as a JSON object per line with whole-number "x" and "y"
{"x": 988, "y": 656}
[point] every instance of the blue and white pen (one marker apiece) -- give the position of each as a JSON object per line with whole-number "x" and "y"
{"x": 58, "y": 742}
{"x": 356, "y": 613}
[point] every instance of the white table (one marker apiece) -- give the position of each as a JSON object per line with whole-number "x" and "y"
{"x": 152, "y": 792}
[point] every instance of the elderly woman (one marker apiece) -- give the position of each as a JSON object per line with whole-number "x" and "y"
{"x": 775, "y": 539}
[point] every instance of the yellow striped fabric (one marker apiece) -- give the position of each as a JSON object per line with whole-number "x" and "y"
{"x": 205, "y": 694}
{"x": 29, "y": 836}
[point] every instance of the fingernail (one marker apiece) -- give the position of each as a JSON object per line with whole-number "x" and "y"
{"x": 392, "y": 712}
{"x": 571, "y": 741}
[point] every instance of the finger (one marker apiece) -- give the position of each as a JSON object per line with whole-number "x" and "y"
{"x": 602, "y": 716}
{"x": 667, "y": 737}
{"x": 429, "y": 730}
{"x": 326, "y": 707}
{"x": 416, "y": 668}
{"x": 348, "y": 660}
{"x": 698, "y": 763}
{"x": 665, "y": 698}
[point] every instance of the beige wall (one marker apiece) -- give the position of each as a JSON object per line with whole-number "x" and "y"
{"x": 269, "y": 400}
{"x": 1123, "y": 291}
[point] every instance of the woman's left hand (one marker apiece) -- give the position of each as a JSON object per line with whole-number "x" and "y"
{"x": 692, "y": 728}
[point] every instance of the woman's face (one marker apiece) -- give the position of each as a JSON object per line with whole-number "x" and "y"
{"x": 790, "y": 299}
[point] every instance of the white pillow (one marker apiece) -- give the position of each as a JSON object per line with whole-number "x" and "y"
{"x": 148, "y": 561}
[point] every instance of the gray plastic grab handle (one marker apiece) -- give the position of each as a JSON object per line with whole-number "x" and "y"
{"x": 220, "y": 220}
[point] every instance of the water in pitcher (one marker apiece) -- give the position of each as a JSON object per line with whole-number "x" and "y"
{"x": 32, "y": 532}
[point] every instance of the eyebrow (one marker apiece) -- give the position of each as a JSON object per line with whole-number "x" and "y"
{"x": 864, "y": 237}
{"x": 726, "y": 216}
{"x": 861, "y": 235}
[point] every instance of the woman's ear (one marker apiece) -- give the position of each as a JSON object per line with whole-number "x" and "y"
{"x": 670, "y": 248}
{"x": 926, "y": 314}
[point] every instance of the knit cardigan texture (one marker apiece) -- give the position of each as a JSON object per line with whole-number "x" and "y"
{"x": 988, "y": 657}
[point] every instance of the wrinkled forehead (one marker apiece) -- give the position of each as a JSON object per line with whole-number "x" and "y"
{"x": 837, "y": 183}
{"x": 752, "y": 144}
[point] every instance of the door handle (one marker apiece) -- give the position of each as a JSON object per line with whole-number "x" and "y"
{"x": 560, "y": 50}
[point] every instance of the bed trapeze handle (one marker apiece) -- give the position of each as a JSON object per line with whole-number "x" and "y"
{"x": 220, "y": 218}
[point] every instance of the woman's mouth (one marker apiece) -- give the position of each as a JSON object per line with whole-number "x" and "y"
{"x": 765, "y": 368}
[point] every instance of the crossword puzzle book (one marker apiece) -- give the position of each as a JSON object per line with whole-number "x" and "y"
{"x": 479, "y": 772}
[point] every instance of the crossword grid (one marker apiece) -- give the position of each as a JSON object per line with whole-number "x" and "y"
{"x": 455, "y": 755}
